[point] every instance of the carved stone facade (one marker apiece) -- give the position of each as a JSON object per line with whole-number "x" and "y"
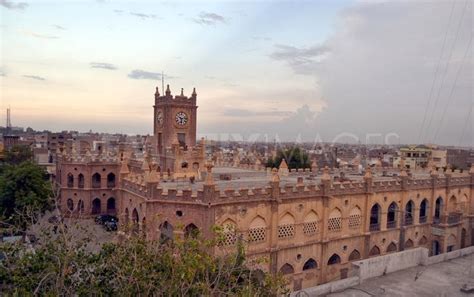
{"x": 310, "y": 231}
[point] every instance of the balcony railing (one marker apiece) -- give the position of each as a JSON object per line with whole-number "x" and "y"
{"x": 96, "y": 185}
{"x": 111, "y": 184}
{"x": 423, "y": 219}
{"x": 374, "y": 227}
{"x": 449, "y": 219}
{"x": 391, "y": 224}
{"x": 408, "y": 221}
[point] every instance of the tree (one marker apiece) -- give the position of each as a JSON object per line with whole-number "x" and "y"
{"x": 63, "y": 264}
{"x": 18, "y": 154}
{"x": 24, "y": 188}
{"x": 294, "y": 157}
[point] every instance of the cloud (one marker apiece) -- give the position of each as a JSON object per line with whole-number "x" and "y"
{"x": 107, "y": 66}
{"x": 11, "y": 5}
{"x": 118, "y": 11}
{"x": 142, "y": 74}
{"x": 209, "y": 18}
{"x": 143, "y": 16}
{"x": 59, "y": 27}
{"x": 238, "y": 112}
{"x": 301, "y": 60}
{"x": 35, "y": 77}
{"x": 376, "y": 70}
{"x": 38, "y": 35}
{"x": 261, "y": 38}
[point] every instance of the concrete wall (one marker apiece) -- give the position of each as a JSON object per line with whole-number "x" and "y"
{"x": 331, "y": 287}
{"x": 447, "y": 256}
{"x": 378, "y": 266}
{"x": 381, "y": 265}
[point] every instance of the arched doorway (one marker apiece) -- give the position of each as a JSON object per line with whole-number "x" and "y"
{"x": 436, "y": 248}
{"x": 463, "y": 238}
{"x": 111, "y": 205}
{"x": 96, "y": 206}
{"x": 135, "y": 220}
{"x": 70, "y": 204}
{"x": 166, "y": 232}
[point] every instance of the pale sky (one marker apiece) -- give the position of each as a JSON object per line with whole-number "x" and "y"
{"x": 298, "y": 70}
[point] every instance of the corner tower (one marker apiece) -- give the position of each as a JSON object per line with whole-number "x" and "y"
{"x": 175, "y": 119}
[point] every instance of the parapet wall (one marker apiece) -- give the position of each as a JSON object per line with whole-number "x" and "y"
{"x": 379, "y": 266}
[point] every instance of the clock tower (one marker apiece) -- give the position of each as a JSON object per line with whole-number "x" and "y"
{"x": 174, "y": 120}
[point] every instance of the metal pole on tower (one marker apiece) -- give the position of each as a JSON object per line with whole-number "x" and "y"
{"x": 162, "y": 81}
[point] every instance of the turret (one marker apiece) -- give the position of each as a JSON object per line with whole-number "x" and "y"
{"x": 168, "y": 92}
{"x": 157, "y": 93}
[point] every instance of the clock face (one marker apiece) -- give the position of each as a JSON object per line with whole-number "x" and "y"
{"x": 181, "y": 118}
{"x": 159, "y": 117}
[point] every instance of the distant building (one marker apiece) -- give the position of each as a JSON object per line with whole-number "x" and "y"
{"x": 418, "y": 157}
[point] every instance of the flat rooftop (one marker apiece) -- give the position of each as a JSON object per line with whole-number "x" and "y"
{"x": 249, "y": 178}
{"x": 441, "y": 279}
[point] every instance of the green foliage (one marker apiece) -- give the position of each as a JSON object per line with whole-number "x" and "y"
{"x": 61, "y": 265}
{"x": 294, "y": 157}
{"x": 24, "y": 187}
{"x": 18, "y": 154}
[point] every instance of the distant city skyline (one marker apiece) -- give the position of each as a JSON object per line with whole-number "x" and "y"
{"x": 297, "y": 69}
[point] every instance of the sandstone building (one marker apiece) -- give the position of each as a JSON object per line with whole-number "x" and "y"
{"x": 305, "y": 224}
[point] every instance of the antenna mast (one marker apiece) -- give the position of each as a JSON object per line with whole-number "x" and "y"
{"x": 162, "y": 82}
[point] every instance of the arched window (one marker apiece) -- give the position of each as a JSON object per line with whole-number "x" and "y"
{"x": 70, "y": 180}
{"x": 355, "y": 255}
{"x": 184, "y": 165}
{"x": 286, "y": 226}
{"x": 375, "y": 217}
{"x": 438, "y": 210}
{"x": 111, "y": 205}
{"x": 310, "y": 264}
{"x": 374, "y": 251}
{"x": 70, "y": 204}
{"x": 111, "y": 180}
{"x": 423, "y": 210}
{"x": 191, "y": 231}
{"x": 335, "y": 220}
{"x": 96, "y": 180}
{"x": 166, "y": 232}
{"x": 310, "y": 225}
{"x": 355, "y": 218}
{"x": 80, "y": 206}
{"x": 80, "y": 181}
{"x": 287, "y": 269}
{"x": 230, "y": 232}
{"x": 334, "y": 259}
{"x": 409, "y": 213}
{"x": 409, "y": 244}
{"x": 392, "y": 247}
{"x": 392, "y": 215}
{"x": 257, "y": 230}
{"x": 96, "y": 206}
{"x": 452, "y": 205}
